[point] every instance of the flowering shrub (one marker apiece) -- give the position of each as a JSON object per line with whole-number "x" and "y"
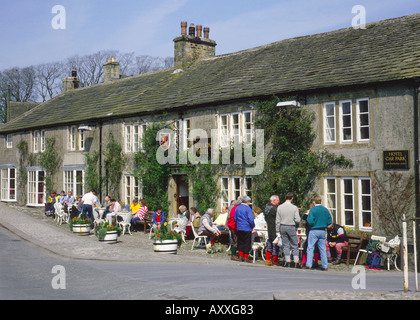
{"x": 81, "y": 219}
{"x": 165, "y": 234}
{"x": 102, "y": 229}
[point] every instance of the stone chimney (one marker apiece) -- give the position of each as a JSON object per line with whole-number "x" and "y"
{"x": 71, "y": 83}
{"x": 192, "y": 47}
{"x": 111, "y": 70}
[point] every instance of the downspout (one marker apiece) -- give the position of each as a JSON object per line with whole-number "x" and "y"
{"x": 100, "y": 161}
{"x": 416, "y": 156}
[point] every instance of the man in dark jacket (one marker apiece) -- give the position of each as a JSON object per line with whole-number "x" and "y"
{"x": 337, "y": 239}
{"x": 270, "y": 213}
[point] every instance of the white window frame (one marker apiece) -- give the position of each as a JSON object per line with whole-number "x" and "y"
{"x": 235, "y": 133}
{"x": 36, "y": 141}
{"x": 328, "y": 193}
{"x": 70, "y": 181}
{"x": 360, "y": 200}
{"x": 334, "y": 128}
{"x": 33, "y": 188}
{"x": 248, "y": 134}
{"x": 6, "y": 185}
{"x": 341, "y": 116}
{"x": 132, "y": 189}
{"x": 9, "y": 141}
{"x": 359, "y": 126}
{"x": 186, "y": 130}
{"x": 127, "y": 138}
{"x": 224, "y": 132}
{"x": 224, "y": 190}
{"x": 232, "y": 192}
{"x": 81, "y": 137}
{"x": 343, "y": 203}
{"x": 72, "y": 138}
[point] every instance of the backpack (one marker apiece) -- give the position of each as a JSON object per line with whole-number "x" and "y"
{"x": 372, "y": 245}
{"x": 373, "y": 261}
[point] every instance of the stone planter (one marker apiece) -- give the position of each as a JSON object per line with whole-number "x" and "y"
{"x": 81, "y": 229}
{"x": 166, "y": 246}
{"x": 110, "y": 237}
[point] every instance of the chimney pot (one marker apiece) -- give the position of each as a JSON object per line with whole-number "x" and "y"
{"x": 206, "y": 32}
{"x": 199, "y": 29}
{"x": 183, "y": 28}
{"x": 74, "y": 73}
{"x": 191, "y": 31}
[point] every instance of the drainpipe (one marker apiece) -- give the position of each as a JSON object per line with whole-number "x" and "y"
{"x": 100, "y": 161}
{"x": 416, "y": 154}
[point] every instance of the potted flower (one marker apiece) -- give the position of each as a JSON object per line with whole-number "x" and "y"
{"x": 80, "y": 225}
{"x": 166, "y": 241}
{"x": 108, "y": 233}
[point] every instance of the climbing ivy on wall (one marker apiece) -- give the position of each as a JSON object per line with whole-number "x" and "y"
{"x": 153, "y": 176}
{"x": 50, "y": 160}
{"x": 292, "y": 165}
{"x": 114, "y": 165}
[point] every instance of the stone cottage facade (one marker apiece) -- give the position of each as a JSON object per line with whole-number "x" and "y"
{"x": 362, "y": 85}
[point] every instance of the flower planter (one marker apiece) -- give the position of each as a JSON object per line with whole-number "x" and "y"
{"x": 110, "y": 237}
{"x": 166, "y": 246}
{"x": 81, "y": 229}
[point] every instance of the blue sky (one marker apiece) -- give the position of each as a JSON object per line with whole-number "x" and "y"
{"x": 148, "y": 27}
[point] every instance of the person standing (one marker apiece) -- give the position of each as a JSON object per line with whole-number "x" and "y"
{"x": 244, "y": 220}
{"x": 318, "y": 219}
{"x": 286, "y": 219}
{"x": 272, "y": 249}
{"x": 89, "y": 200}
{"x": 233, "y": 231}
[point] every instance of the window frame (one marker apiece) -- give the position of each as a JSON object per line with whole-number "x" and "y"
{"x": 343, "y": 203}
{"x": 6, "y": 185}
{"x": 360, "y": 202}
{"x": 341, "y": 124}
{"x": 325, "y": 117}
{"x": 333, "y": 211}
{"x": 358, "y": 124}
{"x": 36, "y": 191}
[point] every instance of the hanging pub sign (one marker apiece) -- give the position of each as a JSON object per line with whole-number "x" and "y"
{"x": 164, "y": 141}
{"x": 396, "y": 160}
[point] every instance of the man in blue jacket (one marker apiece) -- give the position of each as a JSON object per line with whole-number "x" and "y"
{"x": 244, "y": 220}
{"x": 318, "y": 219}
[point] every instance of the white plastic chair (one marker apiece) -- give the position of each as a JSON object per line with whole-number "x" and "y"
{"x": 60, "y": 215}
{"x": 197, "y": 237}
{"x": 97, "y": 218}
{"x": 126, "y": 223}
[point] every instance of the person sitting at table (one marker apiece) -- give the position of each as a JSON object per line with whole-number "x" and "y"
{"x": 139, "y": 214}
{"x": 221, "y": 220}
{"x": 158, "y": 218}
{"x": 181, "y": 222}
{"x": 207, "y": 228}
{"x": 68, "y": 201}
{"x": 62, "y": 197}
{"x": 260, "y": 223}
{"x": 134, "y": 207}
{"x": 193, "y": 216}
{"x": 107, "y": 205}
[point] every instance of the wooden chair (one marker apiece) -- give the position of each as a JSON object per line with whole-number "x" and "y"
{"x": 355, "y": 244}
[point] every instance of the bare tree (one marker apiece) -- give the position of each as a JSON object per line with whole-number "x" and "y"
{"x": 49, "y": 76}
{"x": 22, "y": 83}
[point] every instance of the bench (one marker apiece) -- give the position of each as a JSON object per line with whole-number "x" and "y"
{"x": 144, "y": 225}
{"x": 356, "y": 242}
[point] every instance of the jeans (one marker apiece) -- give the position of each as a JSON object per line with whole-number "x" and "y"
{"x": 317, "y": 237}
{"x": 87, "y": 208}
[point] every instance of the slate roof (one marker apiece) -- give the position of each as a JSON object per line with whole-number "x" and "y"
{"x": 385, "y": 51}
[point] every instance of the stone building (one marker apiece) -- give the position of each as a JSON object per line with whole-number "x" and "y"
{"x": 361, "y": 83}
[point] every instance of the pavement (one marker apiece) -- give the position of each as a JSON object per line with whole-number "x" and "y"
{"x": 31, "y": 225}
